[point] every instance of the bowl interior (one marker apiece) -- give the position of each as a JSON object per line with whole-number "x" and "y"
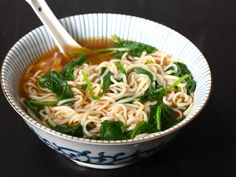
{"x": 104, "y": 26}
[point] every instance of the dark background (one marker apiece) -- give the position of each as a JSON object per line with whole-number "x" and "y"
{"x": 205, "y": 148}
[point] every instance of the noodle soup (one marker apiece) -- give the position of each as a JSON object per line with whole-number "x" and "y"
{"x": 110, "y": 91}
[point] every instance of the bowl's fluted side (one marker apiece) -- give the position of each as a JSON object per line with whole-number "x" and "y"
{"x": 99, "y": 155}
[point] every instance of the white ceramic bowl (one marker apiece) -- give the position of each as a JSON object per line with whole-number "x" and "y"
{"x": 97, "y": 153}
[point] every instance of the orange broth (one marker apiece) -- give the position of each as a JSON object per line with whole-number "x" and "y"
{"x": 55, "y": 60}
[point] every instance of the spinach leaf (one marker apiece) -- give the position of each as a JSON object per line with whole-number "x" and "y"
{"x": 75, "y": 130}
{"x": 142, "y": 127}
{"x": 154, "y": 92}
{"x": 121, "y": 68}
{"x": 183, "y": 70}
{"x": 106, "y": 81}
{"x": 125, "y": 97}
{"x": 112, "y": 130}
{"x": 158, "y": 117}
{"x": 118, "y": 55}
{"x": 152, "y": 114}
{"x": 165, "y": 117}
{"x": 100, "y": 52}
{"x": 140, "y": 70}
{"x": 89, "y": 86}
{"x": 135, "y": 48}
{"x": 80, "y": 52}
{"x": 42, "y": 103}
{"x": 35, "y": 108}
{"x": 169, "y": 88}
{"x": 191, "y": 85}
{"x": 55, "y": 82}
{"x": 120, "y": 47}
{"x": 162, "y": 117}
{"x": 69, "y": 67}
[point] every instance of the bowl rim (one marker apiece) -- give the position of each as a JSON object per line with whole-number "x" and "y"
{"x": 157, "y": 135}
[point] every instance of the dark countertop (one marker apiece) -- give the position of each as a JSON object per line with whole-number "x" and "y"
{"x": 205, "y": 148}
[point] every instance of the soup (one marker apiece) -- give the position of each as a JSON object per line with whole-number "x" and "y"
{"x": 110, "y": 91}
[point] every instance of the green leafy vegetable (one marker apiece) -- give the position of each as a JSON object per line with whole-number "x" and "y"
{"x": 55, "y": 82}
{"x": 162, "y": 117}
{"x": 140, "y": 70}
{"x": 152, "y": 114}
{"x": 35, "y": 108}
{"x": 85, "y": 53}
{"x": 154, "y": 92}
{"x": 142, "y": 127}
{"x": 111, "y": 49}
{"x": 135, "y": 48}
{"x": 89, "y": 86}
{"x": 165, "y": 117}
{"x": 183, "y": 70}
{"x": 121, "y": 68}
{"x": 80, "y": 52}
{"x": 75, "y": 130}
{"x": 83, "y": 86}
{"x": 125, "y": 97}
{"x": 69, "y": 67}
{"x": 157, "y": 94}
{"x": 169, "y": 88}
{"x": 43, "y": 103}
{"x": 158, "y": 117}
{"x": 99, "y": 53}
{"x": 191, "y": 85}
{"x": 106, "y": 81}
{"x": 118, "y": 55}
{"x": 120, "y": 47}
{"x": 137, "y": 129}
{"x": 112, "y": 130}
